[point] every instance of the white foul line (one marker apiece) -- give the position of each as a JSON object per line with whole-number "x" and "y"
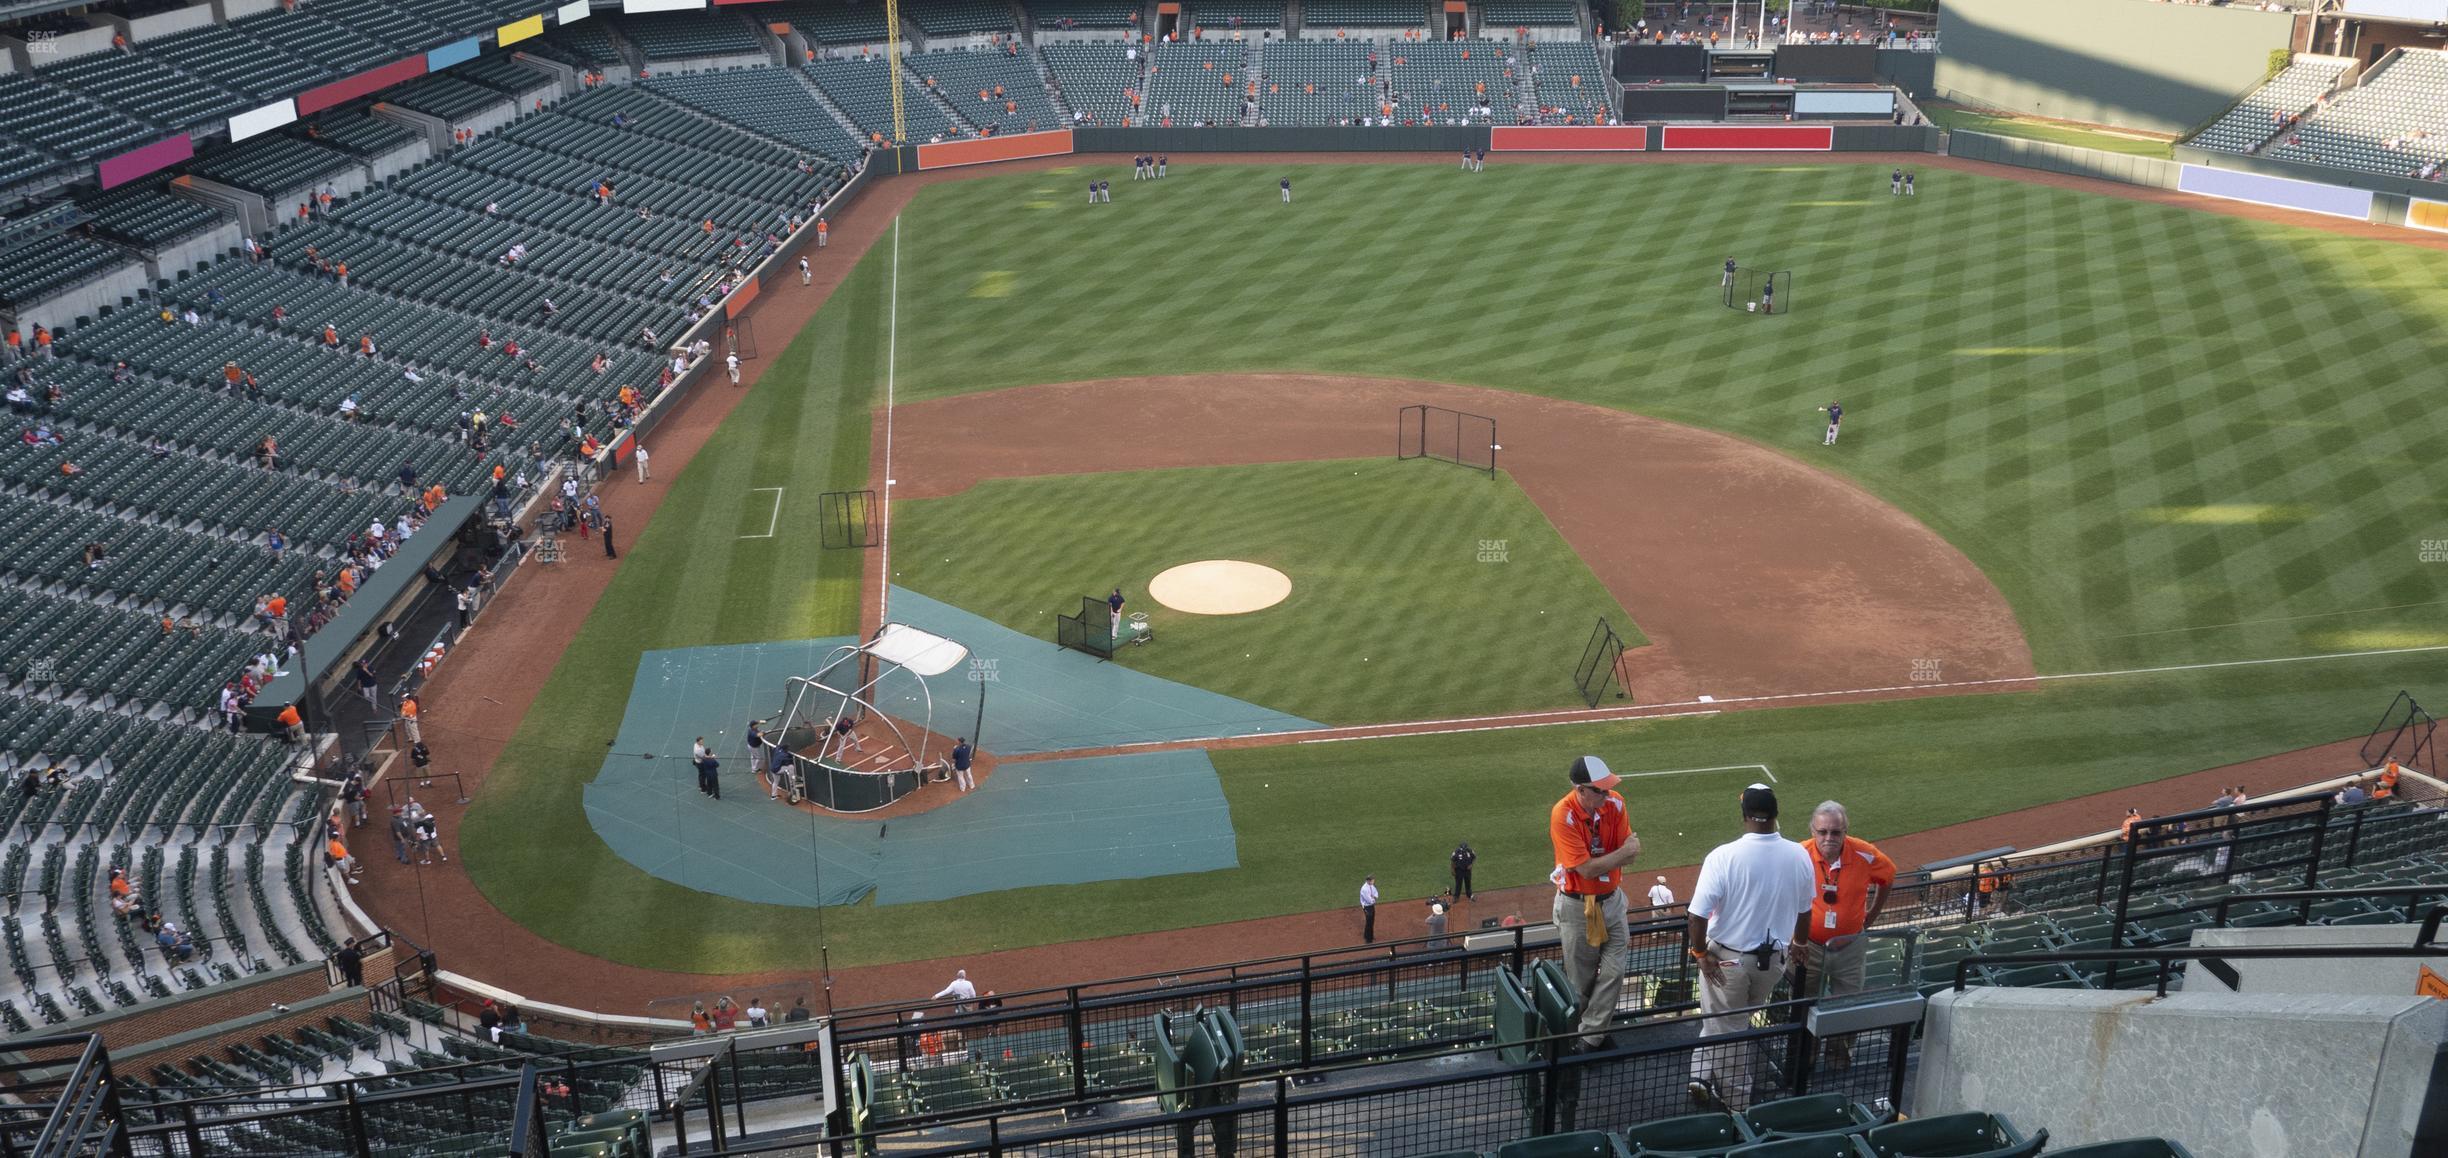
{"x": 773, "y": 522}
{"x": 892, "y": 350}
{"x": 1714, "y": 768}
{"x": 1630, "y": 714}
{"x": 1481, "y": 728}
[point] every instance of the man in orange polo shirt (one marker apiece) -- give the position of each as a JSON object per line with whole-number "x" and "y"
{"x": 1593, "y": 839}
{"x": 1854, "y": 880}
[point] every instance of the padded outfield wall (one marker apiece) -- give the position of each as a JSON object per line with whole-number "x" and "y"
{"x": 2162, "y": 68}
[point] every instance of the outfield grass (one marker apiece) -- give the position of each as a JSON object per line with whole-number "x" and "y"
{"x": 2168, "y": 436}
{"x": 1957, "y": 117}
{"x": 1396, "y": 611}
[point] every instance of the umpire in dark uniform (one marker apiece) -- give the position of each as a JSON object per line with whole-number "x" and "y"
{"x": 1463, "y": 859}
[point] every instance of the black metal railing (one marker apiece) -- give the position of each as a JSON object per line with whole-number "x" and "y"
{"x": 66, "y": 1103}
{"x": 2213, "y": 958}
{"x": 1469, "y": 1099}
{"x": 1300, "y": 999}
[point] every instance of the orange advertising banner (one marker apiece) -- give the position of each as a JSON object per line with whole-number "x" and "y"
{"x": 1001, "y": 148}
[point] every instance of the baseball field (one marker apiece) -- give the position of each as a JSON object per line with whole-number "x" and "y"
{"x": 2172, "y": 463}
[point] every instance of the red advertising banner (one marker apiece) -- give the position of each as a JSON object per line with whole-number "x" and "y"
{"x": 315, "y": 100}
{"x": 152, "y": 158}
{"x": 985, "y": 149}
{"x": 1750, "y": 138}
{"x": 1569, "y": 138}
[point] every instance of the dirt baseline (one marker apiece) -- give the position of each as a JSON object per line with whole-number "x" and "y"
{"x": 1752, "y": 572}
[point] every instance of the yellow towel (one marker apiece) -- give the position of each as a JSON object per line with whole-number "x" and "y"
{"x": 1593, "y": 919}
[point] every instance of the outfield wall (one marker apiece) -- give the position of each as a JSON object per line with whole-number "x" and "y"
{"x": 2161, "y": 67}
{"x": 2358, "y": 196}
{"x": 1636, "y": 138}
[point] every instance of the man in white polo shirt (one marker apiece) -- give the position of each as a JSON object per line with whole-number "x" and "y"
{"x": 1752, "y": 902}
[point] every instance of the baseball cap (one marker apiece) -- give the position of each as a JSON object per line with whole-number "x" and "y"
{"x": 1592, "y": 771}
{"x": 1759, "y": 800}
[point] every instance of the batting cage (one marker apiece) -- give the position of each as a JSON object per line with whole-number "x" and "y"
{"x": 740, "y": 338}
{"x": 1453, "y": 436}
{"x": 1091, "y": 631}
{"x": 1601, "y": 666}
{"x": 1761, "y": 291}
{"x": 861, "y": 732}
{"x": 847, "y": 519}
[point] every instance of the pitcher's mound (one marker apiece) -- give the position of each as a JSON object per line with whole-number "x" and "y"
{"x": 1219, "y": 587}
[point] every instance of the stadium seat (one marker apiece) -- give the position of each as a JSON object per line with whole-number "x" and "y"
{"x": 1581, "y": 1144}
{"x": 1809, "y": 1114}
{"x": 1689, "y": 1136}
{"x": 1809, "y": 1146}
{"x": 1968, "y": 1135}
{"x": 2126, "y": 1148}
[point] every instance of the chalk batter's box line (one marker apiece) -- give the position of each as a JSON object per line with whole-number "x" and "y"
{"x": 776, "y": 520}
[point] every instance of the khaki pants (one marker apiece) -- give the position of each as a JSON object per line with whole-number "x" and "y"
{"x": 1829, "y": 974}
{"x": 1596, "y": 972}
{"x": 1819, "y": 972}
{"x": 1738, "y": 984}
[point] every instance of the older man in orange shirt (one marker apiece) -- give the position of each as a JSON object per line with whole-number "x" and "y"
{"x": 1854, "y": 880}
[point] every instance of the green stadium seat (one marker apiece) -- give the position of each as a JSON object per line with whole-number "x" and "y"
{"x": 2126, "y": 1148}
{"x": 1580, "y": 1144}
{"x": 1809, "y": 1114}
{"x": 1689, "y": 1136}
{"x": 1968, "y": 1135}
{"x": 1811, "y": 1146}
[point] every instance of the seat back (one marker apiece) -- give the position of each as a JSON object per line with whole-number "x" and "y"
{"x": 1966, "y": 1135}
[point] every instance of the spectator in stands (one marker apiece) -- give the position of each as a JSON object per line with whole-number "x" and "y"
{"x": 353, "y": 799}
{"x": 1590, "y": 833}
{"x": 1854, "y": 880}
{"x": 2352, "y": 793}
{"x": 1753, "y": 901}
{"x": 798, "y": 1012}
{"x": 758, "y": 1018}
{"x": 351, "y": 964}
{"x": 726, "y": 1014}
{"x": 961, "y": 990}
{"x": 293, "y": 725}
{"x": 95, "y": 552}
{"x": 2133, "y": 816}
{"x": 175, "y": 943}
{"x": 336, "y": 855}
